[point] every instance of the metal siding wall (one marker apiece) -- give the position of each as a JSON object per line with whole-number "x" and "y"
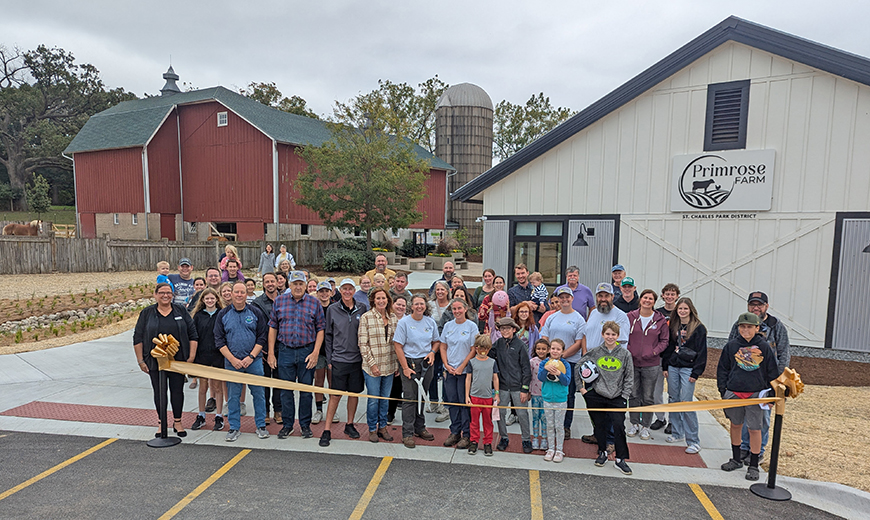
{"x": 227, "y": 170}
{"x": 163, "y": 180}
{"x": 496, "y": 240}
{"x": 851, "y": 327}
{"x": 109, "y": 181}
{"x": 594, "y": 260}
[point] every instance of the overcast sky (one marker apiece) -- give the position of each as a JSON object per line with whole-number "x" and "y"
{"x": 573, "y": 51}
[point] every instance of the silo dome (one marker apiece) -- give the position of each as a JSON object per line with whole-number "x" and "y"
{"x": 464, "y": 95}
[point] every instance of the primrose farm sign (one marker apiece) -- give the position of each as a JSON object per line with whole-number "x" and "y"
{"x": 723, "y": 181}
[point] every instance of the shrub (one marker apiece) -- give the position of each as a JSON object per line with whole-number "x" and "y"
{"x": 412, "y": 250}
{"x": 353, "y": 244}
{"x": 348, "y": 260}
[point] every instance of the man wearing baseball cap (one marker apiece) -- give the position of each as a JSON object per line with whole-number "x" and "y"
{"x": 343, "y": 357}
{"x": 627, "y": 299}
{"x": 325, "y": 294}
{"x": 604, "y": 311}
{"x": 617, "y": 273}
{"x": 774, "y": 332}
{"x": 183, "y": 282}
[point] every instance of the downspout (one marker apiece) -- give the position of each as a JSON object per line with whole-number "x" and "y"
{"x": 146, "y": 189}
{"x": 75, "y": 192}
{"x": 275, "y": 198}
{"x": 180, "y": 177}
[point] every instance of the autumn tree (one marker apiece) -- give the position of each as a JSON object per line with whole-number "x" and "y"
{"x": 45, "y": 98}
{"x": 516, "y": 126}
{"x": 269, "y": 95}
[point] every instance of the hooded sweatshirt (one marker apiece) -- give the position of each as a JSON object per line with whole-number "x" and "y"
{"x": 646, "y": 344}
{"x": 615, "y": 371}
{"x": 746, "y": 366}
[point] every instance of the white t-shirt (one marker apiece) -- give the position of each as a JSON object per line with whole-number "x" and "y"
{"x": 595, "y": 322}
{"x": 459, "y": 339}
{"x": 567, "y": 327}
{"x": 644, "y": 322}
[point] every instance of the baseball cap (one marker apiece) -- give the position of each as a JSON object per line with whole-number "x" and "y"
{"x": 184, "y": 261}
{"x": 330, "y": 279}
{"x": 347, "y": 281}
{"x": 628, "y": 281}
{"x": 324, "y": 285}
{"x": 563, "y": 290}
{"x": 618, "y": 267}
{"x": 604, "y": 287}
{"x": 297, "y": 276}
{"x": 757, "y": 296}
{"x": 748, "y": 318}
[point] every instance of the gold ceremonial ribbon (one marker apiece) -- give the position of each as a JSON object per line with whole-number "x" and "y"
{"x": 231, "y": 376}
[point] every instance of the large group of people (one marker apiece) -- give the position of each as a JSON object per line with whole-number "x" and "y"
{"x": 514, "y": 346}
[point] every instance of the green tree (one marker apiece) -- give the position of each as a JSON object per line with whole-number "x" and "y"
{"x": 362, "y": 178}
{"x": 269, "y": 95}
{"x": 45, "y": 98}
{"x": 516, "y": 126}
{"x": 37, "y": 195}
{"x": 6, "y": 194}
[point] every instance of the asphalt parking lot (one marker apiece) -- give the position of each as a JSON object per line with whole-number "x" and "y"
{"x": 126, "y": 479}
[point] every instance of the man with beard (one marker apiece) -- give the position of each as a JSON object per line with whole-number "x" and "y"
{"x": 604, "y": 311}
{"x": 399, "y": 288}
{"x": 380, "y": 267}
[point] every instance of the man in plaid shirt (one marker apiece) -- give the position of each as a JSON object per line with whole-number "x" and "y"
{"x": 296, "y": 329}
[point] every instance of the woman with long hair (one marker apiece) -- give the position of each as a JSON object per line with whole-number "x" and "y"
{"x": 267, "y": 261}
{"x": 284, "y": 255}
{"x": 204, "y": 316}
{"x": 459, "y": 293}
{"x": 376, "y": 329}
{"x": 683, "y": 362}
{"x": 225, "y": 291}
{"x": 498, "y": 284}
{"x": 439, "y": 304}
{"x": 487, "y": 288}
{"x": 529, "y": 332}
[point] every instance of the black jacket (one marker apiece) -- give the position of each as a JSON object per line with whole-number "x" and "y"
{"x": 697, "y": 343}
{"x": 205, "y": 348}
{"x": 514, "y": 367}
{"x": 746, "y": 366}
{"x": 146, "y": 330}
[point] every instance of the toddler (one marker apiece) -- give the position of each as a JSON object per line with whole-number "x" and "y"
{"x": 539, "y": 422}
{"x": 163, "y": 273}
{"x": 539, "y": 290}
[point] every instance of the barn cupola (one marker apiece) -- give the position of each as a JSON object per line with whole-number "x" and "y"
{"x": 170, "y": 87}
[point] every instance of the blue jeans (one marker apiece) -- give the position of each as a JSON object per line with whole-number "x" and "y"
{"x": 460, "y": 416}
{"x": 765, "y": 433}
{"x": 292, "y": 367}
{"x": 683, "y": 424}
{"x": 376, "y": 409}
{"x": 234, "y": 393}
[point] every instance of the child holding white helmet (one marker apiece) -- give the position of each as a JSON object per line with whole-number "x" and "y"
{"x": 554, "y": 377}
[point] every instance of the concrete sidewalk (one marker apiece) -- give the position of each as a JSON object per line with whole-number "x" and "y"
{"x": 103, "y": 373}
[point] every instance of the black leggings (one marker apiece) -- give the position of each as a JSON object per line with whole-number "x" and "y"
{"x": 175, "y": 391}
{"x": 395, "y": 393}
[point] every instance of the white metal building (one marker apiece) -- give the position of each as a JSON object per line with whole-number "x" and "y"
{"x": 739, "y": 162}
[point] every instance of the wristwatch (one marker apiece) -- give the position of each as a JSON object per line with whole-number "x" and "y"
{"x": 252, "y": 357}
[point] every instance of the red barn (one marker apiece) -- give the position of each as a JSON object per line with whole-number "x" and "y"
{"x": 157, "y": 167}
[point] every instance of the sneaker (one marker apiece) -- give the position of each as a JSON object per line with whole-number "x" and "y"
{"x": 198, "y": 422}
{"x": 602, "y": 458}
{"x": 527, "y": 447}
{"x": 210, "y": 405}
{"x": 644, "y": 434}
{"x": 634, "y": 430}
{"x": 472, "y": 448}
{"x": 306, "y": 432}
{"x": 669, "y": 429}
{"x": 693, "y": 448}
{"x": 408, "y": 442}
{"x": 243, "y": 410}
{"x": 744, "y": 456}
{"x": 232, "y": 435}
{"x": 218, "y": 423}
{"x": 285, "y": 432}
{"x": 390, "y": 421}
{"x": 610, "y": 448}
{"x": 335, "y": 418}
{"x": 441, "y": 408}
{"x": 278, "y": 418}
{"x": 432, "y": 408}
{"x": 452, "y": 440}
{"x": 568, "y": 434}
{"x": 623, "y": 467}
{"x": 658, "y": 424}
{"x": 752, "y": 473}
{"x": 511, "y": 419}
{"x": 558, "y": 456}
{"x": 325, "y": 437}
{"x": 673, "y": 438}
{"x": 350, "y": 431}
{"x": 317, "y": 417}
{"x": 487, "y": 450}
{"x": 503, "y": 444}
{"x": 588, "y": 439}
{"x": 544, "y": 445}
{"x": 262, "y": 433}
{"x": 425, "y": 435}
{"x": 463, "y": 443}
{"x": 549, "y": 455}
{"x": 442, "y": 416}
{"x": 731, "y": 465}
{"x": 535, "y": 444}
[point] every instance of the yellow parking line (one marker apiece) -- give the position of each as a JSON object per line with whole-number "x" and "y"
{"x": 705, "y": 501}
{"x": 205, "y": 485}
{"x": 55, "y": 469}
{"x": 370, "y": 489}
{"x": 535, "y": 492}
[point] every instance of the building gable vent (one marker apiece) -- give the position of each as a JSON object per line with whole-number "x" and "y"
{"x": 727, "y": 111}
{"x": 222, "y": 119}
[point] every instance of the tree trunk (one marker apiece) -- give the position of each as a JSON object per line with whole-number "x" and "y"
{"x": 15, "y": 168}
{"x": 368, "y": 239}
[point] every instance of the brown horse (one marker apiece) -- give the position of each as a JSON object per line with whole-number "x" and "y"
{"x": 26, "y": 230}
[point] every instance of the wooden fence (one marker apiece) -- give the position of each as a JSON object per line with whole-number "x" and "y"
{"x": 32, "y": 255}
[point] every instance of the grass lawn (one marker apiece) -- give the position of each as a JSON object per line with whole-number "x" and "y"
{"x": 57, "y": 215}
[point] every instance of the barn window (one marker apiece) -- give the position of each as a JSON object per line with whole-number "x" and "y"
{"x": 727, "y": 113}
{"x": 135, "y": 219}
{"x": 222, "y": 119}
{"x": 117, "y": 219}
{"x": 304, "y": 230}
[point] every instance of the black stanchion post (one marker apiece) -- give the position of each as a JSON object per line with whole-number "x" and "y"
{"x": 769, "y": 490}
{"x": 163, "y": 441}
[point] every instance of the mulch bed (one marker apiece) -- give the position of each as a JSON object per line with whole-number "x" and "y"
{"x": 813, "y": 371}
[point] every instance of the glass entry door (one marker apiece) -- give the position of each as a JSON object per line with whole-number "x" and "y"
{"x": 539, "y": 246}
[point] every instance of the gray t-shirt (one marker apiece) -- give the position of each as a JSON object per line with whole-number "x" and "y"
{"x": 481, "y": 371}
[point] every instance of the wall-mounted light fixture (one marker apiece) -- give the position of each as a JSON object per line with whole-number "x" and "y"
{"x": 866, "y": 249}
{"x": 581, "y": 241}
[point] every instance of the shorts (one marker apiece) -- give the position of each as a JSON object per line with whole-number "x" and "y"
{"x": 321, "y": 361}
{"x": 752, "y": 415}
{"x": 210, "y": 359}
{"x": 347, "y": 377}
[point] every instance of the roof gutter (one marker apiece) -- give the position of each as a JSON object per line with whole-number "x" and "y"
{"x": 75, "y": 190}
